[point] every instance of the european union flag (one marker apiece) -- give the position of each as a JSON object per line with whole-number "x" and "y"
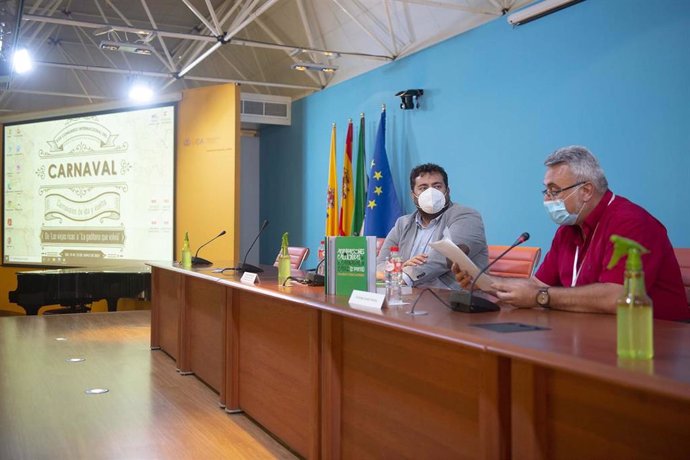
{"x": 382, "y": 206}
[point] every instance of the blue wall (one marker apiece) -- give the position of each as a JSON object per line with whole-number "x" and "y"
{"x": 613, "y": 75}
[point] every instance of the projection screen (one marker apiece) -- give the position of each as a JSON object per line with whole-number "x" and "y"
{"x": 90, "y": 190}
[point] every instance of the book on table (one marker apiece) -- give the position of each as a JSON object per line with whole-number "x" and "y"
{"x": 350, "y": 264}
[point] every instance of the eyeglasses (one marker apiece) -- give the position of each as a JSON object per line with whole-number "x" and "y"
{"x": 554, "y": 192}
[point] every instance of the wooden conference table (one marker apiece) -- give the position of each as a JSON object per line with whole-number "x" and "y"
{"x": 332, "y": 381}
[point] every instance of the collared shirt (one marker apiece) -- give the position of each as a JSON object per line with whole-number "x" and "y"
{"x": 592, "y": 246}
{"x": 420, "y": 245}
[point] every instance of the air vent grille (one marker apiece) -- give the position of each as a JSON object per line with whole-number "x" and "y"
{"x": 262, "y": 109}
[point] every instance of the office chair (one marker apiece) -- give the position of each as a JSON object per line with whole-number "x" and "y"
{"x": 297, "y": 256}
{"x": 683, "y": 256}
{"x": 518, "y": 263}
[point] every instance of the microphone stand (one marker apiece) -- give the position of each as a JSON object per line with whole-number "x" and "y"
{"x": 314, "y": 278}
{"x": 244, "y": 266}
{"x": 197, "y": 261}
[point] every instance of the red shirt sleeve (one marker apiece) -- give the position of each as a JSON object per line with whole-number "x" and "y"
{"x": 548, "y": 270}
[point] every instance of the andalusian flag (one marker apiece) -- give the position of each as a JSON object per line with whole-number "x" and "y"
{"x": 332, "y": 196}
{"x": 383, "y": 207}
{"x": 360, "y": 185}
{"x": 347, "y": 200}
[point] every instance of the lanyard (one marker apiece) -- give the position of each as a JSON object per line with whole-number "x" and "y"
{"x": 576, "y": 271}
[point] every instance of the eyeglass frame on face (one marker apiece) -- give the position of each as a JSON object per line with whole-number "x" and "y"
{"x": 553, "y": 194}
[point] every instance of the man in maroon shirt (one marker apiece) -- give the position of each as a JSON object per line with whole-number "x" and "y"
{"x": 573, "y": 275}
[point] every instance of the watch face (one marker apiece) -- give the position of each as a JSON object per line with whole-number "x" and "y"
{"x": 543, "y": 297}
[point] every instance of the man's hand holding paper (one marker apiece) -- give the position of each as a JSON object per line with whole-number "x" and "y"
{"x": 462, "y": 263}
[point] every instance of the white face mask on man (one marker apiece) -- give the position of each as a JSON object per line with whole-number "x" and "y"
{"x": 431, "y": 201}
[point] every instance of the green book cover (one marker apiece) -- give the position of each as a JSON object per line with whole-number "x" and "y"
{"x": 348, "y": 263}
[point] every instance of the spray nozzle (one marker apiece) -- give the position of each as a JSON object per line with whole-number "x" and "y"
{"x": 623, "y": 246}
{"x": 284, "y": 244}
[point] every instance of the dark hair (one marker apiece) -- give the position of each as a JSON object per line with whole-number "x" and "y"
{"x": 427, "y": 168}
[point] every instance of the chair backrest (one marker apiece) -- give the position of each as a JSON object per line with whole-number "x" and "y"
{"x": 518, "y": 263}
{"x": 683, "y": 256}
{"x": 297, "y": 257}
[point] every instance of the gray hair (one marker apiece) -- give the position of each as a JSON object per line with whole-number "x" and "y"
{"x": 582, "y": 163}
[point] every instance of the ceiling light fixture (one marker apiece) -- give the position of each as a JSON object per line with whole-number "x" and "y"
{"x": 21, "y": 61}
{"x": 140, "y": 93}
{"x": 303, "y": 66}
{"x": 136, "y": 48}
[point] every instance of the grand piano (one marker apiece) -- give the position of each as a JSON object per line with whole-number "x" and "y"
{"x": 79, "y": 287}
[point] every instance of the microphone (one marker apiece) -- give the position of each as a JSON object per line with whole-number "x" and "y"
{"x": 467, "y": 302}
{"x": 244, "y": 266}
{"x": 196, "y": 261}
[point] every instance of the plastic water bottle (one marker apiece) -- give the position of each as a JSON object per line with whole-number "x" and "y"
{"x": 322, "y": 255}
{"x": 393, "y": 274}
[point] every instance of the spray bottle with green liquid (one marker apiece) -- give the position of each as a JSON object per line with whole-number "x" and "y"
{"x": 283, "y": 261}
{"x": 634, "y": 307}
{"x": 186, "y": 260}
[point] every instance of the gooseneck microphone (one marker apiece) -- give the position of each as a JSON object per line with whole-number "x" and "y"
{"x": 466, "y": 301}
{"x": 196, "y": 261}
{"x": 244, "y": 266}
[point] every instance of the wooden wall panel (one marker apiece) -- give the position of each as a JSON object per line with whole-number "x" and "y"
{"x": 279, "y": 368}
{"x": 167, "y": 301}
{"x": 582, "y": 417}
{"x": 205, "y": 303}
{"x": 421, "y": 397}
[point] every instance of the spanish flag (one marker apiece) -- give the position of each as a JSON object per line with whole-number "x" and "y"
{"x": 332, "y": 195}
{"x": 347, "y": 200}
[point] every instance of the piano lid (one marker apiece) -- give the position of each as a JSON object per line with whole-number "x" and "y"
{"x": 65, "y": 271}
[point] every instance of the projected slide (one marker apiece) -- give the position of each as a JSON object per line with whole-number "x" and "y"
{"x": 90, "y": 190}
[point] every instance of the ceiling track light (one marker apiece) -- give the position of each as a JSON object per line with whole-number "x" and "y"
{"x": 304, "y": 66}
{"x": 135, "y": 48}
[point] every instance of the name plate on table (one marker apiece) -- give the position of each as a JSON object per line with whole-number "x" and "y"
{"x": 368, "y": 301}
{"x": 249, "y": 278}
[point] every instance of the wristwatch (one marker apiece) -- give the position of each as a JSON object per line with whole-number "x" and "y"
{"x": 543, "y": 297}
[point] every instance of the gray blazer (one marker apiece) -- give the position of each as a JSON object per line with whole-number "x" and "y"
{"x": 465, "y": 226}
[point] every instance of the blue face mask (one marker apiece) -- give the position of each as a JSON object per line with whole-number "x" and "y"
{"x": 558, "y": 212}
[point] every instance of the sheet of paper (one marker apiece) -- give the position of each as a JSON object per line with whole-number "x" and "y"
{"x": 451, "y": 251}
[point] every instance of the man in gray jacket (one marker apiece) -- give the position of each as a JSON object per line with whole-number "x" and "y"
{"x": 412, "y": 233}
